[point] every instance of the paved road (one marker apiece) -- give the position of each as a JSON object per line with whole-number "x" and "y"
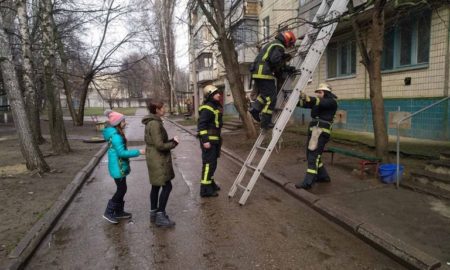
{"x": 272, "y": 231}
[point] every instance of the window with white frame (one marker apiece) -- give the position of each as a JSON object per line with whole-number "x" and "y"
{"x": 341, "y": 58}
{"x": 266, "y": 27}
{"x": 407, "y": 43}
{"x": 205, "y": 61}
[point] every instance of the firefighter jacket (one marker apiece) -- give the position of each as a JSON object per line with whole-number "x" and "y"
{"x": 322, "y": 111}
{"x": 210, "y": 122}
{"x": 270, "y": 60}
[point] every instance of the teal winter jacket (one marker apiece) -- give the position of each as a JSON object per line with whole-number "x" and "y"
{"x": 118, "y": 154}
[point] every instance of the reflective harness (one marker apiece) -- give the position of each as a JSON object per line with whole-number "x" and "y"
{"x": 259, "y": 74}
{"x": 212, "y": 137}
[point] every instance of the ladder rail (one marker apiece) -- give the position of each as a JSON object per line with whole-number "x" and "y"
{"x": 307, "y": 68}
{"x": 244, "y": 168}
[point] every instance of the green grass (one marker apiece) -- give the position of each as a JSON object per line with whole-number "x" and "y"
{"x": 100, "y": 111}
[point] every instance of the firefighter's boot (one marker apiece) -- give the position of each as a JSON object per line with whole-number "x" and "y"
{"x": 266, "y": 121}
{"x": 208, "y": 191}
{"x": 307, "y": 183}
{"x": 255, "y": 114}
{"x": 215, "y": 185}
{"x": 322, "y": 175}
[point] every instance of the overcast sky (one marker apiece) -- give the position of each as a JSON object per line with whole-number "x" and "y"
{"x": 182, "y": 35}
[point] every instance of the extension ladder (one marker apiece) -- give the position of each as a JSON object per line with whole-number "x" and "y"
{"x": 309, "y": 53}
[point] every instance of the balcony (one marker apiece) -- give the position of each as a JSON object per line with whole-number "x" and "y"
{"x": 246, "y": 54}
{"x": 205, "y": 75}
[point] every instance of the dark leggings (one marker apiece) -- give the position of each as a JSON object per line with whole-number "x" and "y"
{"x": 121, "y": 184}
{"x": 163, "y": 197}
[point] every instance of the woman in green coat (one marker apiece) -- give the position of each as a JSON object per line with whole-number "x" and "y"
{"x": 159, "y": 163}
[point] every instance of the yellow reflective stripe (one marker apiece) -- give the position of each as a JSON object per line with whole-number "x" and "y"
{"x": 317, "y": 101}
{"x": 269, "y": 112}
{"x": 317, "y": 161}
{"x": 266, "y": 108}
{"x": 215, "y": 112}
{"x": 311, "y": 171}
{"x": 320, "y": 165}
{"x": 205, "y": 175}
{"x": 215, "y": 138}
{"x": 266, "y": 54}
{"x": 326, "y": 130}
{"x": 203, "y": 132}
{"x": 259, "y": 98}
{"x": 262, "y": 76}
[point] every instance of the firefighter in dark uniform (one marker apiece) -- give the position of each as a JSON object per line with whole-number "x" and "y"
{"x": 209, "y": 126}
{"x": 323, "y": 108}
{"x": 268, "y": 66}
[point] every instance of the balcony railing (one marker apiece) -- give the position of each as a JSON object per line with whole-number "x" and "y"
{"x": 205, "y": 75}
{"x": 246, "y": 54}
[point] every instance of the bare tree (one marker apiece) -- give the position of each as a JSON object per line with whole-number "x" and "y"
{"x": 214, "y": 11}
{"x": 28, "y": 73}
{"x": 28, "y": 145}
{"x": 60, "y": 144}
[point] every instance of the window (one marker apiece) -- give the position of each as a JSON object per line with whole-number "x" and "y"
{"x": 341, "y": 59}
{"x": 246, "y": 32}
{"x": 407, "y": 43}
{"x": 266, "y": 27}
{"x": 205, "y": 61}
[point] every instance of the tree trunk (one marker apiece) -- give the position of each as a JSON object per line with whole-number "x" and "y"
{"x": 28, "y": 145}
{"x": 371, "y": 59}
{"x": 28, "y": 74}
{"x": 375, "y": 80}
{"x": 85, "y": 89}
{"x": 60, "y": 143}
{"x": 65, "y": 75}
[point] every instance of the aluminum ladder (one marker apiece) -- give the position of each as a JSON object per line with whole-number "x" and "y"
{"x": 309, "y": 53}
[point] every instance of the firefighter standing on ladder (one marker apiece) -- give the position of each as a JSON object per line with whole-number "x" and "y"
{"x": 268, "y": 66}
{"x": 209, "y": 126}
{"x": 323, "y": 108}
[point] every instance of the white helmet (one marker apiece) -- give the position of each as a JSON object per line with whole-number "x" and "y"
{"x": 324, "y": 87}
{"x": 208, "y": 90}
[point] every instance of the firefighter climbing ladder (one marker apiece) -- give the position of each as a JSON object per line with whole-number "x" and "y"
{"x": 309, "y": 54}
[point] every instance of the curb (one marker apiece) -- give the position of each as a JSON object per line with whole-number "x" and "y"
{"x": 392, "y": 246}
{"x": 29, "y": 243}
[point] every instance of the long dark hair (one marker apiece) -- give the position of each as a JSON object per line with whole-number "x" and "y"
{"x": 122, "y": 133}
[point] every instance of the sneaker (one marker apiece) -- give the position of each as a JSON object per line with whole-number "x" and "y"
{"x": 110, "y": 218}
{"x": 162, "y": 220}
{"x": 123, "y": 215}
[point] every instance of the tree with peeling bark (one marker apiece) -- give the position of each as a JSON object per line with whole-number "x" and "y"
{"x": 28, "y": 145}
{"x": 30, "y": 92}
{"x": 214, "y": 11}
{"x": 60, "y": 144}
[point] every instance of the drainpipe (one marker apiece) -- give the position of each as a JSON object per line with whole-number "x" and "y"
{"x": 446, "y": 77}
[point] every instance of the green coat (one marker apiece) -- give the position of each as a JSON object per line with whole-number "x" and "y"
{"x": 158, "y": 146}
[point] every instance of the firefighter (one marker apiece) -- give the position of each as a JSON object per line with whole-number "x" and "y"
{"x": 209, "y": 126}
{"x": 323, "y": 108}
{"x": 267, "y": 68}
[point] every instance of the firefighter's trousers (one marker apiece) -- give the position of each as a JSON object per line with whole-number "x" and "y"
{"x": 209, "y": 162}
{"x": 316, "y": 170}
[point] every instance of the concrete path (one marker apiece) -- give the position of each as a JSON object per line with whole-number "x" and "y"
{"x": 272, "y": 231}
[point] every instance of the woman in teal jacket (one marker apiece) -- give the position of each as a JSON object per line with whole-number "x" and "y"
{"x": 118, "y": 164}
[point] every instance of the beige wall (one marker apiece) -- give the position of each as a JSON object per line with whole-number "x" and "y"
{"x": 278, "y": 11}
{"x": 425, "y": 82}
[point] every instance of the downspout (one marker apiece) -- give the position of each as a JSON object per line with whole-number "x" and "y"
{"x": 446, "y": 78}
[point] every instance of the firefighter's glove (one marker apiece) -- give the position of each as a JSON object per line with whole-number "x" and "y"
{"x": 287, "y": 57}
{"x": 290, "y": 70}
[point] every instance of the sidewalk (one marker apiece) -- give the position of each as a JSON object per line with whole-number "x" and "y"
{"x": 420, "y": 222}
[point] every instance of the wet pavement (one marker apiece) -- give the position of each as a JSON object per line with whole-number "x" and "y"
{"x": 272, "y": 231}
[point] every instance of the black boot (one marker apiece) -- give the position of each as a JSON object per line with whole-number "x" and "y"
{"x": 153, "y": 215}
{"x": 109, "y": 214}
{"x": 266, "y": 121}
{"x": 162, "y": 220}
{"x": 255, "y": 114}
{"x": 120, "y": 214}
{"x": 307, "y": 182}
{"x": 208, "y": 191}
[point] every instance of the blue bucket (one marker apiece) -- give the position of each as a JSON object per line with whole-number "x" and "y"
{"x": 388, "y": 173}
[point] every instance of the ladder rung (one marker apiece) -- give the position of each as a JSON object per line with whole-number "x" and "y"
{"x": 241, "y": 186}
{"x": 250, "y": 166}
{"x": 262, "y": 148}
